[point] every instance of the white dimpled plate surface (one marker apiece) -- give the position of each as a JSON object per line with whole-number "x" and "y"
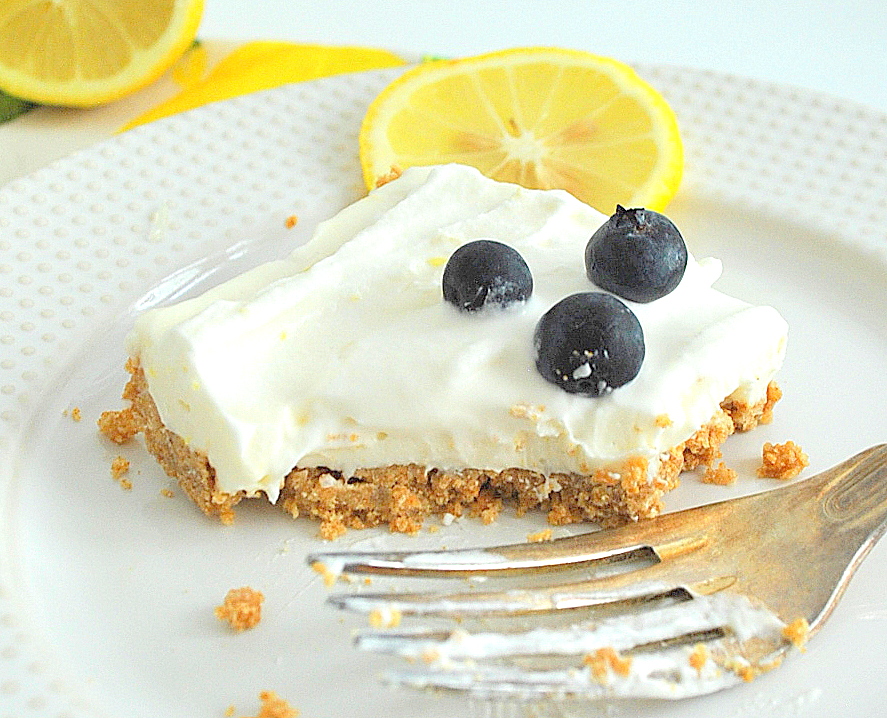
{"x": 789, "y": 188}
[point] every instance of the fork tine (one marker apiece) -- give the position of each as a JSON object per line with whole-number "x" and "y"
{"x": 652, "y": 676}
{"x": 666, "y": 581}
{"x": 584, "y": 594}
{"x": 640, "y": 542}
{"x": 656, "y": 654}
{"x": 514, "y": 558}
{"x": 709, "y": 617}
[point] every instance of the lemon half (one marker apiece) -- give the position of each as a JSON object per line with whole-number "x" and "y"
{"x": 86, "y": 52}
{"x": 540, "y": 117}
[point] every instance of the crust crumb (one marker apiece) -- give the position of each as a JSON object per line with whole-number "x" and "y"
{"x": 390, "y": 176}
{"x": 429, "y": 656}
{"x": 774, "y": 394}
{"x": 273, "y": 706}
{"x": 291, "y": 221}
{"x": 798, "y": 631}
{"x": 747, "y": 416}
{"x": 168, "y": 493}
{"x": 242, "y": 608}
{"x": 699, "y": 657}
{"x": 782, "y": 461}
{"x": 604, "y": 660}
{"x": 746, "y": 673}
{"x": 663, "y": 421}
{"x": 526, "y": 411}
{"x": 119, "y": 469}
{"x": 749, "y": 671}
{"x": 331, "y": 529}
{"x": 120, "y": 426}
{"x": 721, "y": 475}
{"x": 119, "y": 466}
{"x": 329, "y": 577}
{"x": 705, "y": 445}
{"x": 540, "y": 536}
{"x": 385, "y": 618}
{"x": 75, "y": 414}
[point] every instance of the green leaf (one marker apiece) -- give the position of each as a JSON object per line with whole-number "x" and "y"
{"x": 11, "y": 107}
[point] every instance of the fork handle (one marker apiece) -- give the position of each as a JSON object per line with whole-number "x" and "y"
{"x": 856, "y": 495}
{"x": 813, "y": 535}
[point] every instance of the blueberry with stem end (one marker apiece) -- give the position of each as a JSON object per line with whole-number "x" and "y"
{"x": 589, "y": 344}
{"x": 637, "y": 254}
{"x": 486, "y": 272}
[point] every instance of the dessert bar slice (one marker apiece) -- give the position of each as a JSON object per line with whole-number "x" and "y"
{"x": 347, "y": 383}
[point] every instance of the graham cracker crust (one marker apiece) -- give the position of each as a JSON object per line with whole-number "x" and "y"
{"x": 403, "y": 496}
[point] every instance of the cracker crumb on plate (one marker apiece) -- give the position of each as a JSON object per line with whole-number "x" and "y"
{"x": 242, "y": 608}
{"x": 782, "y": 461}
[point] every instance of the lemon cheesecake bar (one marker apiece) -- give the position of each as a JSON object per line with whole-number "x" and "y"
{"x": 447, "y": 343}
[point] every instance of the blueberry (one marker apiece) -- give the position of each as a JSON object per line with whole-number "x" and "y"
{"x": 486, "y": 272}
{"x": 589, "y": 343}
{"x": 638, "y": 254}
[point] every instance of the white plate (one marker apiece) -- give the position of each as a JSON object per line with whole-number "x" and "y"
{"x": 107, "y": 595}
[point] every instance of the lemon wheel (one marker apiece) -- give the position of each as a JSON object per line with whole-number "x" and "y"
{"x": 87, "y": 52}
{"x": 540, "y": 117}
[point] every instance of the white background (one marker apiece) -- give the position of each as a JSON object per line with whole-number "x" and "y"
{"x": 835, "y": 47}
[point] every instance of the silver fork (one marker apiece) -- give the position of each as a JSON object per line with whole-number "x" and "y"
{"x": 684, "y": 604}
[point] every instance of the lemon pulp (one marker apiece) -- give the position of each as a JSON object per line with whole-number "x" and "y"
{"x": 86, "y": 52}
{"x": 541, "y": 117}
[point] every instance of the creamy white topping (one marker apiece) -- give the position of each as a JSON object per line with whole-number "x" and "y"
{"x": 345, "y": 355}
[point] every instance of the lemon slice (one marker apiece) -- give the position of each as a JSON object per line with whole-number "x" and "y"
{"x": 540, "y": 117}
{"x": 87, "y": 52}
